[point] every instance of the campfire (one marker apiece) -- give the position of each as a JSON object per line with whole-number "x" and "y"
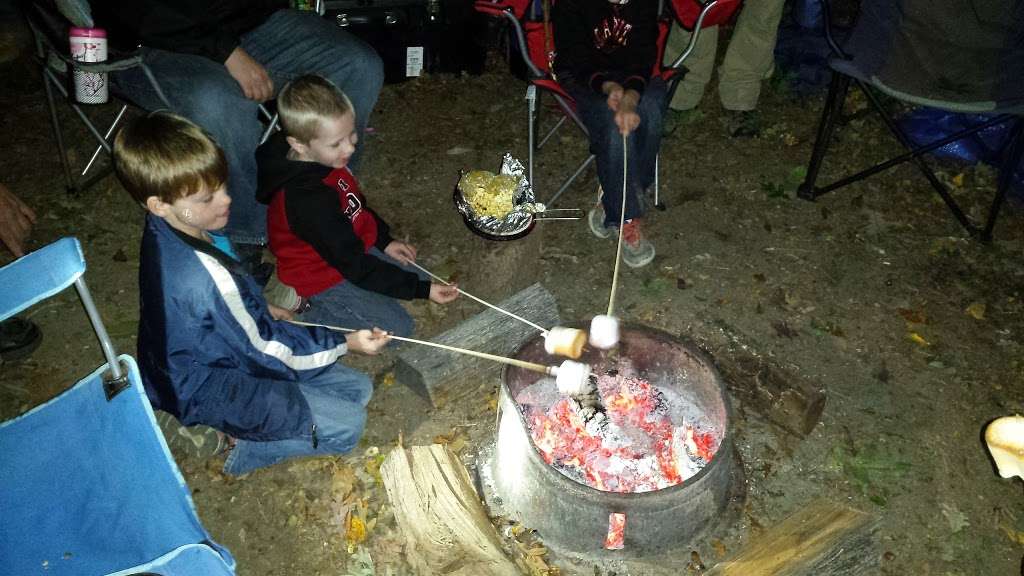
{"x": 640, "y": 463}
{"x": 629, "y": 436}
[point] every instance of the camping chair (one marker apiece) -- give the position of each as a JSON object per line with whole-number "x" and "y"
{"x": 87, "y": 484}
{"x": 535, "y": 43}
{"x": 50, "y": 22}
{"x": 930, "y": 53}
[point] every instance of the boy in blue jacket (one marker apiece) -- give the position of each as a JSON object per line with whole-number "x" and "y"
{"x": 211, "y": 351}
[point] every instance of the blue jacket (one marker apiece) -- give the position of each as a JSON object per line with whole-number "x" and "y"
{"x": 209, "y": 350}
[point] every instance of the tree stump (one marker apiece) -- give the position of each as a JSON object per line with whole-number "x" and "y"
{"x": 439, "y": 375}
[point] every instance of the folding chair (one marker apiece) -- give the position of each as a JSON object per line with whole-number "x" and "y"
{"x": 945, "y": 54}
{"x": 50, "y": 22}
{"x": 535, "y": 43}
{"x": 87, "y": 484}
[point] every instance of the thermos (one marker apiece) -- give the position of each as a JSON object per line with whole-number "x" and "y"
{"x": 89, "y": 45}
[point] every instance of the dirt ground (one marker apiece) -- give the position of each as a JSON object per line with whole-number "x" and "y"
{"x": 914, "y": 331}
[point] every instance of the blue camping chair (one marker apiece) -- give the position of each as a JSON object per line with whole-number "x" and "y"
{"x": 87, "y": 484}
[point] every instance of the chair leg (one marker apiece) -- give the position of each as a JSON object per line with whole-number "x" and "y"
{"x": 55, "y": 123}
{"x": 837, "y": 90}
{"x": 919, "y": 161}
{"x": 1014, "y": 148}
{"x": 531, "y": 109}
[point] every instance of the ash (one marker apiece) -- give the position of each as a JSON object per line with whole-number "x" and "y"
{"x": 626, "y": 436}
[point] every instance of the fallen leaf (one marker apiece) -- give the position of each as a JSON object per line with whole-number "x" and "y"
{"x": 355, "y": 531}
{"x": 918, "y": 339}
{"x": 388, "y": 380}
{"x": 913, "y": 316}
{"x": 957, "y": 519}
{"x": 976, "y": 310}
{"x": 1015, "y": 536}
{"x": 958, "y": 180}
{"x": 719, "y": 548}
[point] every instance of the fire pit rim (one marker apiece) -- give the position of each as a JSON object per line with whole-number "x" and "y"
{"x": 631, "y": 497}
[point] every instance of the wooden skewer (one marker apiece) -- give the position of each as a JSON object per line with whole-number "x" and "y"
{"x": 551, "y": 370}
{"x": 468, "y": 295}
{"x": 622, "y": 222}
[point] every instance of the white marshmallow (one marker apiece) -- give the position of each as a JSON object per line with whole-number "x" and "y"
{"x": 1005, "y": 440}
{"x": 562, "y": 341}
{"x": 573, "y": 378}
{"x": 604, "y": 331}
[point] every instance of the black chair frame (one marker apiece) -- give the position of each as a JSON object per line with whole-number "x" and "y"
{"x": 831, "y": 116}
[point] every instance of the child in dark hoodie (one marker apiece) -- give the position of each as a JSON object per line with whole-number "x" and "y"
{"x": 330, "y": 246}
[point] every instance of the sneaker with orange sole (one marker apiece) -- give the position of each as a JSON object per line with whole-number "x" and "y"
{"x": 637, "y": 251}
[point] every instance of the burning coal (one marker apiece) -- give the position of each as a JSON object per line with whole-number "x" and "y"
{"x": 631, "y": 436}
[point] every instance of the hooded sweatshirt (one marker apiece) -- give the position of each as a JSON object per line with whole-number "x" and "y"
{"x": 597, "y": 41}
{"x": 321, "y": 230}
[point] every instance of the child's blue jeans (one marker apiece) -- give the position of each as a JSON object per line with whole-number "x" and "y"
{"x": 643, "y": 145}
{"x": 349, "y": 306}
{"x": 337, "y": 399}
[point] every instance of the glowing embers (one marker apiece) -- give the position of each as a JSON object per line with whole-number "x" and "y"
{"x": 638, "y": 438}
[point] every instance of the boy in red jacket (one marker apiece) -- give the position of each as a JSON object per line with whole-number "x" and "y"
{"x": 330, "y": 246}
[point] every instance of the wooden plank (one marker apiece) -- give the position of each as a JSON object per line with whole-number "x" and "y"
{"x": 439, "y": 375}
{"x": 788, "y": 400}
{"x": 822, "y": 539}
{"x": 439, "y": 513}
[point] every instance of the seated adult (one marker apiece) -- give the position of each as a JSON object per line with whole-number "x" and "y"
{"x": 216, "y": 60}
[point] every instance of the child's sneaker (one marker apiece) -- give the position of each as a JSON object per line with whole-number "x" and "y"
{"x": 637, "y": 251}
{"x": 595, "y": 217}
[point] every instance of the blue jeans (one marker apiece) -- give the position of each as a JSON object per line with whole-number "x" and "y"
{"x": 288, "y": 44}
{"x": 643, "y": 145}
{"x": 349, "y": 306}
{"x": 337, "y": 400}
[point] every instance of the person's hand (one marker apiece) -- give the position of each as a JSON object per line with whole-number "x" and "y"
{"x": 626, "y": 120}
{"x": 368, "y": 342}
{"x": 443, "y": 293}
{"x": 615, "y": 92}
{"x": 250, "y": 75}
{"x": 401, "y": 251}
{"x": 280, "y": 313}
{"x": 16, "y": 220}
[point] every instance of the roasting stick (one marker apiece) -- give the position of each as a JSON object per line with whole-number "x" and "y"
{"x": 468, "y": 295}
{"x": 604, "y": 328}
{"x": 622, "y": 223}
{"x": 551, "y": 370}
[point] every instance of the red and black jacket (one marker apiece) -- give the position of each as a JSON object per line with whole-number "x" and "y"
{"x": 321, "y": 230}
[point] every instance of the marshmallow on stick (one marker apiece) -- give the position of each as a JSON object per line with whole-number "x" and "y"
{"x": 604, "y": 331}
{"x": 573, "y": 378}
{"x": 562, "y": 341}
{"x": 1005, "y": 440}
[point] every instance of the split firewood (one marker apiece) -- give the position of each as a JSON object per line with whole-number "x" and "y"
{"x": 439, "y": 513}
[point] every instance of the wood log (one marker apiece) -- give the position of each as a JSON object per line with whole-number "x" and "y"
{"x": 439, "y": 375}
{"x": 787, "y": 400}
{"x": 439, "y": 513}
{"x": 822, "y": 539}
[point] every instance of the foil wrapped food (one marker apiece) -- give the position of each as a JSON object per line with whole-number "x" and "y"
{"x": 499, "y": 204}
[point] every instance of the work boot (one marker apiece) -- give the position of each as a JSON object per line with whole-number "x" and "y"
{"x": 744, "y": 124}
{"x": 18, "y": 339}
{"x": 637, "y": 251}
{"x": 595, "y": 217}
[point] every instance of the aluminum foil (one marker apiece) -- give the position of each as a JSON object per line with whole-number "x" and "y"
{"x": 522, "y": 199}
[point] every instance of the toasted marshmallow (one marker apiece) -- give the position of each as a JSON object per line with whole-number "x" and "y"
{"x": 562, "y": 341}
{"x": 573, "y": 378}
{"x": 604, "y": 331}
{"x": 1005, "y": 440}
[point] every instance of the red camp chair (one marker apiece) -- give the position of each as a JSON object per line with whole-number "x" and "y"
{"x": 536, "y": 45}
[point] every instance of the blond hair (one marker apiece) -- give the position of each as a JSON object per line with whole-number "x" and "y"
{"x": 167, "y": 156}
{"x": 307, "y": 100}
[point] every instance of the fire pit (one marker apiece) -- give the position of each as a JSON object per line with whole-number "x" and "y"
{"x": 662, "y": 499}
